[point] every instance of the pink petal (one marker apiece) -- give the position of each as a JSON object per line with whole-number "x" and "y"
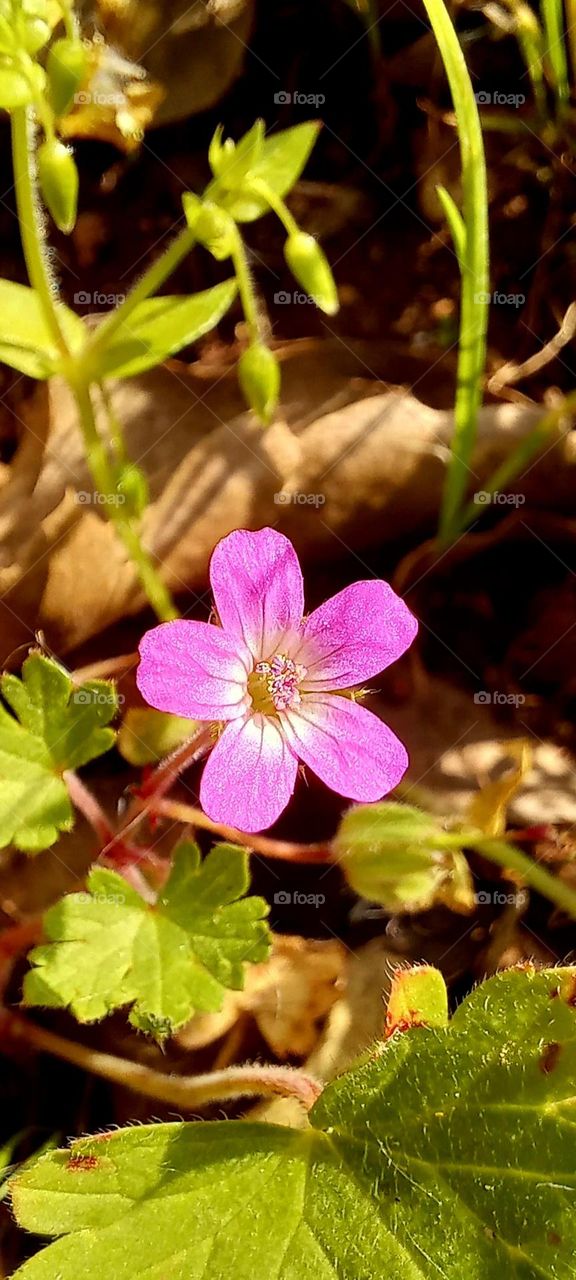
{"x": 355, "y": 635}
{"x": 249, "y": 776}
{"x": 193, "y": 669}
{"x": 348, "y": 747}
{"x": 257, "y": 585}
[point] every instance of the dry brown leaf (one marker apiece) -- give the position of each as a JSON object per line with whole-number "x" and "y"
{"x": 373, "y": 460}
{"x": 288, "y": 996}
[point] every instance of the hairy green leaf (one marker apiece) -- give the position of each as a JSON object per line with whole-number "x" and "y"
{"x": 449, "y": 1152}
{"x": 109, "y": 948}
{"x": 159, "y": 327}
{"x": 55, "y": 726}
{"x": 26, "y": 341}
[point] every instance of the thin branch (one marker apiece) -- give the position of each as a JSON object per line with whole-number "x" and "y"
{"x": 185, "y": 1093}
{"x": 265, "y": 845}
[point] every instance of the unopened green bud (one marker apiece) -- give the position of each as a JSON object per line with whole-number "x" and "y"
{"x": 58, "y": 178}
{"x": 66, "y": 67}
{"x": 132, "y": 486}
{"x": 259, "y": 378}
{"x": 309, "y": 266}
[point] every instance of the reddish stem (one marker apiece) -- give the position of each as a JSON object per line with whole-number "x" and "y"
{"x": 265, "y": 845}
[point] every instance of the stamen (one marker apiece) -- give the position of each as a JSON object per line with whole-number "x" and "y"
{"x": 275, "y": 683}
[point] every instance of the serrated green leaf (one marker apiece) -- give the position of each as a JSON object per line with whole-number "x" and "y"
{"x": 282, "y": 159}
{"x": 26, "y": 342}
{"x": 449, "y": 1152}
{"x": 108, "y": 948}
{"x": 158, "y": 328}
{"x": 55, "y": 726}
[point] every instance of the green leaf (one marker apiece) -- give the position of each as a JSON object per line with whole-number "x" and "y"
{"x": 281, "y": 162}
{"x": 109, "y": 948}
{"x": 450, "y": 1152}
{"x": 26, "y": 342}
{"x": 57, "y": 727}
{"x": 158, "y": 328}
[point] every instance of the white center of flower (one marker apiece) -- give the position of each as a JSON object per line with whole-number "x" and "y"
{"x": 274, "y": 684}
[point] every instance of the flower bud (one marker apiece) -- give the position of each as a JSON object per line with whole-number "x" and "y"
{"x": 58, "y": 178}
{"x": 132, "y": 487}
{"x": 259, "y": 378}
{"x": 309, "y": 266}
{"x": 66, "y": 67}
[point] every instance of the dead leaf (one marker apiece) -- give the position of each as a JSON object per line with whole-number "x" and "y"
{"x": 288, "y": 996}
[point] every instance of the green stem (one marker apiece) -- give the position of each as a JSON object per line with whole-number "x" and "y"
{"x": 245, "y": 285}
{"x": 149, "y": 284}
{"x": 276, "y": 204}
{"x": 29, "y": 218}
{"x": 474, "y": 268}
{"x": 104, "y": 478}
{"x": 510, "y": 858}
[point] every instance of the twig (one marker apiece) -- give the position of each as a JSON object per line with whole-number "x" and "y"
{"x": 265, "y": 845}
{"x": 185, "y": 1093}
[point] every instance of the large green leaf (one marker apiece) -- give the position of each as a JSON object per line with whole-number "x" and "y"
{"x": 282, "y": 159}
{"x": 111, "y": 948}
{"x": 26, "y": 341}
{"x": 158, "y": 328}
{"x": 450, "y": 1152}
{"x": 57, "y": 727}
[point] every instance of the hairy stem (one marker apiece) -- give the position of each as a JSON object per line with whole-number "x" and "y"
{"x": 265, "y": 845}
{"x": 30, "y": 222}
{"x": 185, "y": 1093}
{"x": 510, "y": 858}
{"x": 103, "y": 474}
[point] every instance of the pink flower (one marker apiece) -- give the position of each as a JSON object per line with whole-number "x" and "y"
{"x": 276, "y": 679}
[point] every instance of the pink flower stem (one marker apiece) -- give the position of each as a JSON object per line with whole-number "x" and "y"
{"x": 265, "y": 845}
{"x": 113, "y": 849}
{"x": 182, "y": 1092}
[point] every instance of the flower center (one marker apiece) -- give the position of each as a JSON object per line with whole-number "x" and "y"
{"x": 274, "y": 684}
